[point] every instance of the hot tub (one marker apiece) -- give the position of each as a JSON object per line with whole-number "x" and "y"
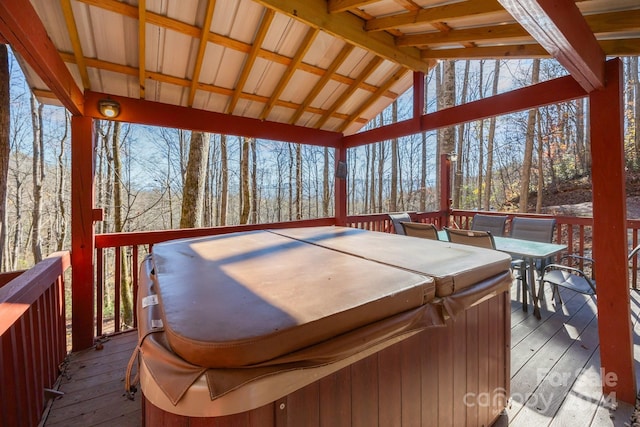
{"x": 300, "y": 326}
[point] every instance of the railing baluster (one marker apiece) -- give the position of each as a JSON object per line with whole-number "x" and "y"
{"x": 116, "y": 288}
{"x": 99, "y": 290}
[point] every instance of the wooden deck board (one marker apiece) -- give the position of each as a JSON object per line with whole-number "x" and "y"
{"x": 555, "y": 372}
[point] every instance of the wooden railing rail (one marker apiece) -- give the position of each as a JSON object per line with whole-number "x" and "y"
{"x": 32, "y": 339}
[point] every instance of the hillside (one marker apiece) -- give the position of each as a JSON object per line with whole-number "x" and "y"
{"x": 574, "y": 198}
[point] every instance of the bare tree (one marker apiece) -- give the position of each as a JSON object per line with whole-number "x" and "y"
{"x": 193, "y": 193}
{"x": 5, "y": 116}
{"x": 490, "y": 141}
{"x": 527, "y": 162}
{"x": 245, "y": 199}
{"x": 38, "y": 176}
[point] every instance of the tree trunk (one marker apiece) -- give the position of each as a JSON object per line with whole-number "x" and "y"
{"x": 298, "y": 200}
{"x": 393, "y": 197}
{"x": 527, "y": 163}
{"x": 5, "y": 116}
{"x": 126, "y": 298}
{"x": 457, "y": 181}
{"x": 193, "y": 192}
{"x": 224, "y": 184}
{"x": 446, "y": 136}
{"x": 245, "y": 199}
{"x": 490, "y": 140}
{"x": 325, "y": 184}
{"x": 38, "y": 176}
{"x": 62, "y": 172}
{"x": 254, "y": 183}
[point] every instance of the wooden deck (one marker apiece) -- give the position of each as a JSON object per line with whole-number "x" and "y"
{"x": 555, "y": 373}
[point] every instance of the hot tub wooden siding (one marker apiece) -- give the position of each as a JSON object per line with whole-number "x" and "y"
{"x": 457, "y": 375}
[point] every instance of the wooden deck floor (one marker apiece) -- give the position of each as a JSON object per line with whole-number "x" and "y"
{"x": 555, "y": 373}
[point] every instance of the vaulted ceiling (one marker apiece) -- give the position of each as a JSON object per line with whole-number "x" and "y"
{"x": 330, "y": 65}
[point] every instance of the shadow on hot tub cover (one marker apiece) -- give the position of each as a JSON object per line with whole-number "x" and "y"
{"x": 174, "y": 376}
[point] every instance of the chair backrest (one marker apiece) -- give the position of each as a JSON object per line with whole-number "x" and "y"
{"x": 493, "y": 223}
{"x": 419, "y": 229}
{"x": 536, "y": 229}
{"x": 482, "y": 239}
{"x": 397, "y": 219}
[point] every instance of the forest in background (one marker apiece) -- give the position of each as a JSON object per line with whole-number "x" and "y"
{"x": 154, "y": 178}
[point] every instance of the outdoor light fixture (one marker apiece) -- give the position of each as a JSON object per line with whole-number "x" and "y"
{"x": 109, "y": 108}
{"x": 453, "y": 156}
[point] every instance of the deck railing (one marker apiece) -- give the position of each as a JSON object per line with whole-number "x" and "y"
{"x": 575, "y": 232}
{"x": 32, "y": 339}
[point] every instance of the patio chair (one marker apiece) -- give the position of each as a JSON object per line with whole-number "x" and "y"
{"x": 492, "y": 223}
{"x": 567, "y": 274}
{"x": 482, "y": 239}
{"x": 419, "y": 229}
{"x": 536, "y": 229}
{"x": 397, "y": 219}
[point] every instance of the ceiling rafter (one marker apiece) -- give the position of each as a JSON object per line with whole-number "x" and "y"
{"x": 193, "y": 31}
{"x": 142, "y": 46}
{"x": 373, "y": 98}
{"x": 337, "y": 61}
{"x": 267, "y": 18}
{"x": 489, "y": 52}
{"x": 464, "y": 36}
{"x": 165, "y": 78}
{"x": 433, "y": 14}
{"x": 370, "y": 68}
{"x": 599, "y": 24}
{"x": 312, "y": 33}
{"x": 562, "y": 30}
{"x": 23, "y": 29}
{"x": 337, "y": 6}
{"x": 202, "y": 48}
{"x": 348, "y": 27}
{"x": 72, "y": 29}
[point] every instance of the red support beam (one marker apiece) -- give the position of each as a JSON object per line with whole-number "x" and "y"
{"x": 562, "y": 31}
{"x": 610, "y": 236}
{"x": 445, "y": 186}
{"x": 158, "y": 114}
{"x": 341, "y": 186}
{"x": 553, "y": 91}
{"x": 22, "y": 28}
{"x": 418, "y": 94}
{"x": 82, "y": 231}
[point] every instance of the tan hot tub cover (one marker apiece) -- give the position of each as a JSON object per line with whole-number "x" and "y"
{"x": 454, "y": 267}
{"x": 249, "y": 313}
{"x": 245, "y": 298}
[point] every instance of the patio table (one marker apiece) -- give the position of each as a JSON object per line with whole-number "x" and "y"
{"x": 530, "y": 251}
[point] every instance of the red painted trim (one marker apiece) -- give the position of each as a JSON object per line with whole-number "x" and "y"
{"x": 82, "y": 234}
{"x": 558, "y": 90}
{"x": 22, "y": 28}
{"x": 418, "y": 94}
{"x": 561, "y": 29}
{"x": 396, "y": 130}
{"x": 341, "y": 190}
{"x": 545, "y": 93}
{"x": 610, "y": 235}
{"x": 158, "y": 114}
{"x": 111, "y": 240}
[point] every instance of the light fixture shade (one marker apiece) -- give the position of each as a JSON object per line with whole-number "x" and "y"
{"x": 109, "y": 108}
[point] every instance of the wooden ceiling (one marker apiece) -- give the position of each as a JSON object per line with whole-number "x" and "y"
{"x": 330, "y": 65}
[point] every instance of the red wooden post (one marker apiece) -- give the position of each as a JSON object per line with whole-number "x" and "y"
{"x": 610, "y": 236}
{"x": 418, "y": 94}
{"x": 445, "y": 187}
{"x": 341, "y": 186}
{"x": 82, "y": 232}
